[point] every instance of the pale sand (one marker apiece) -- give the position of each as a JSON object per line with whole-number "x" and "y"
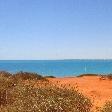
{"x": 91, "y": 86}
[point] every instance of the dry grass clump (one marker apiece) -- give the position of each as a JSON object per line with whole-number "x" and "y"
{"x": 106, "y": 77}
{"x": 45, "y": 97}
{"x": 6, "y": 83}
{"x": 5, "y": 74}
{"x": 109, "y": 76}
{"x": 103, "y": 77}
{"x": 28, "y": 76}
{"x": 107, "y": 107}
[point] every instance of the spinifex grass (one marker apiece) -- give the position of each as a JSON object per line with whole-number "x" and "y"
{"x": 107, "y": 107}
{"x": 37, "y": 96}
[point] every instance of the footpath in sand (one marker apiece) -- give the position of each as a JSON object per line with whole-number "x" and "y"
{"x": 99, "y": 91}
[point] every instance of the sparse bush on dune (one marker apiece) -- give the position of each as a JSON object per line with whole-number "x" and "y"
{"x": 106, "y": 77}
{"x": 109, "y": 76}
{"x": 102, "y": 77}
{"x": 45, "y": 97}
{"x": 5, "y": 74}
{"x": 28, "y": 76}
{"x": 107, "y": 107}
{"x": 9, "y": 81}
{"x": 6, "y": 84}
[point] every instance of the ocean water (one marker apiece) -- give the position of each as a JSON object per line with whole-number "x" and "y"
{"x": 58, "y": 68}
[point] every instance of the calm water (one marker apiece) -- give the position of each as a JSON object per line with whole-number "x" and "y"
{"x": 59, "y": 67}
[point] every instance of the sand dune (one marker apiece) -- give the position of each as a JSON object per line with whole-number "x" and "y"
{"x": 98, "y": 90}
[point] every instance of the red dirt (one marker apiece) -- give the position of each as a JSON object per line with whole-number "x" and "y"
{"x": 93, "y": 87}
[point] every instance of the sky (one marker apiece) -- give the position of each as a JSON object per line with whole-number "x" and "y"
{"x": 55, "y": 29}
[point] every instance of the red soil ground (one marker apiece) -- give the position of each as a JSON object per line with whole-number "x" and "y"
{"x": 99, "y": 91}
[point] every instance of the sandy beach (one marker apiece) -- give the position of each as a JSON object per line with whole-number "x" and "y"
{"x": 99, "y": 91}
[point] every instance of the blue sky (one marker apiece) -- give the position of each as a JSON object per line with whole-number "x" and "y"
{"x": 55, "y": 29}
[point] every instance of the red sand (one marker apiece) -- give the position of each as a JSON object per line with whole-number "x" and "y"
{"x": 98, "y": 90}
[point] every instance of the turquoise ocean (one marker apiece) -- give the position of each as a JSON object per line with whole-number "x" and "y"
{"x": 58, "y": 68}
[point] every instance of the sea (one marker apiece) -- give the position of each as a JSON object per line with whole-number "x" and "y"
{"x": 58, "y": 68}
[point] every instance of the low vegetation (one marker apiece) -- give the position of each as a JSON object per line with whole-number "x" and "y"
{"x": 106, "y": 77}
{"x": 109, "y": 76}
{"x": 49, "y": 76}
{"x": 30, "y": 92}
{"x": 17, "y": 96}
{"x": 101, "y": 77}
{"x": 107, "y": 107}
{"x": 82, "y": 75}
{"x": 28, "y": 76}
{"x": 5, "y": 74}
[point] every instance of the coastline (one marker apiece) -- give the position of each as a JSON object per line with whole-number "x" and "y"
{"x": 92, "y": 90}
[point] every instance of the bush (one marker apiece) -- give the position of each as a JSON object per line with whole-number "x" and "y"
{"x": 5, "y": 74}
{"x": 109, "y": 76}
{"x": 105, "y": 77}
{"x": 107, "y": 107}
{"x": 49, "y": 76}
{"x": 6, "y": 84}
{"x": 102, "y": 77}
{"x": 9, "y": 81}
{"x": 82, "y": 75}
{"x": 28, "y": 76}
{"x": 45, "y": 97}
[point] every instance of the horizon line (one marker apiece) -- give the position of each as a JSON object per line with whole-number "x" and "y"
{"x": 53, "y": 59}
